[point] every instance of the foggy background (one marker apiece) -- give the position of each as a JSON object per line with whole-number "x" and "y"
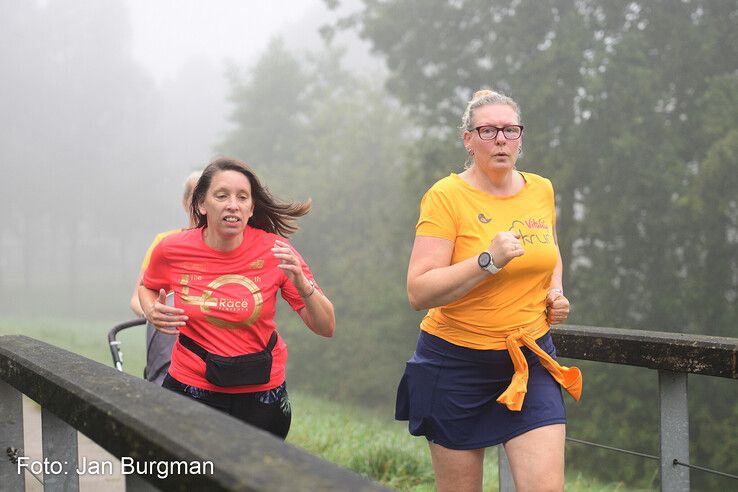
{"x": 106, "y": 107}
{"x": 631, "y": 108}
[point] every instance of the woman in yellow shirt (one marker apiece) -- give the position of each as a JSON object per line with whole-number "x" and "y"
{"x": 486, "y": 265}
{"x": 159, "y": 345}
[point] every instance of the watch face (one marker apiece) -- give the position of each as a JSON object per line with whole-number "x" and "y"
{"x": 484, "y": 259}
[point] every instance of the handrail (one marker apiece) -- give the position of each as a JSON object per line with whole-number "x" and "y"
{"x": 674, "y": 356}
{"x": 132, "y": 418}
{"x": 677, "y": 352}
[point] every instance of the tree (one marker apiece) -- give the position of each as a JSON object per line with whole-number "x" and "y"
{"x": 620, "y": 102}
{"x": 337, "y": 139}
{"x": 574, "y": 66}
{"x": 77, "y": 144}
{"x": 268, "y": 109}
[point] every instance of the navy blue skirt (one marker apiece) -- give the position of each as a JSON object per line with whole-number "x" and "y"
{"x": 448, "y": 394}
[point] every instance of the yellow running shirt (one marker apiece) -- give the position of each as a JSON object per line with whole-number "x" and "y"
{"x": 514, "y": 299}
{"x": 157, "y": 240}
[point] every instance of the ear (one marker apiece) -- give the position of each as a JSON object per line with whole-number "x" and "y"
{"x": 467, "y": 140}
{"x": 201, "y": 209}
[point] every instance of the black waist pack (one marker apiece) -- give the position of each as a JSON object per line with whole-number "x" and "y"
{"x": 234, "y": 371}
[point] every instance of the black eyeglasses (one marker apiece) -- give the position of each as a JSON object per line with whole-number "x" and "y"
{"x": 510, "y": 132}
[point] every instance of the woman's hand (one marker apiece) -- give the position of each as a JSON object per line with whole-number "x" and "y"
{"x": 557, "y": 307}
{"x": 164, "y": 318}
{"x": 318, "y": 313}
{"x": 505, "y": 246}
{"x": 290, "y": 264}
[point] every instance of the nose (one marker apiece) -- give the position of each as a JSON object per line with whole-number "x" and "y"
{"x": 232, "y": 203}
{"x": 500, "y": 137}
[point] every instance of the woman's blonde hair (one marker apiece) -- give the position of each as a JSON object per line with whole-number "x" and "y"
{"x": 189, "y": 187}
{"x": 481, "y": 98}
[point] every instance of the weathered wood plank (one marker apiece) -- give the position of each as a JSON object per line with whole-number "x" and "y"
{"x": 695, "y": 354}
{"x": 133, "y": 418}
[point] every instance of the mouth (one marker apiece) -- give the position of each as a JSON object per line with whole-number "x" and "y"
{"x": 232, "y": 220}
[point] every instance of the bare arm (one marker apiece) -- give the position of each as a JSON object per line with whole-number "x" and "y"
{"x": 135, "y": 303}
{"x": 556, "y": 278}
{"x": 431, "y": 279}
{"x": 318, "y": 313}
{"x": 557, "y": 305}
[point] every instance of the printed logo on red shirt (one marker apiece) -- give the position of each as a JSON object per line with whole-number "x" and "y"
{"x": 256, "y": 265}
{"x": 223, "y": 301}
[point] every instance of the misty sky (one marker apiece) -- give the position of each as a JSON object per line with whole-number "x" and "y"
{"x": 168, "y": 33}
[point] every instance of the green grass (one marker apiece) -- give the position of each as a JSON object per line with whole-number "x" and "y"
{"x": 375, "y": 446}
{"x": 87, "y": 338}
{"x": 382, "y": 449}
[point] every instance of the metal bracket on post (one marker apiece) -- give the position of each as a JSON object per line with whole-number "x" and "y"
{"x": 11, "y": 437}
{"x": 504, "y": 472}
{"x": 59, "y": 444}
{"x": 674, "y": 430}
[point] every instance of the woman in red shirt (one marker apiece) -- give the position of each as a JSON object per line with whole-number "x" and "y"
{"x": 225, "y": 274}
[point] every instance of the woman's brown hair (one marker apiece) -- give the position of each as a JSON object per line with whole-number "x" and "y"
{"x": 270, "y": 213}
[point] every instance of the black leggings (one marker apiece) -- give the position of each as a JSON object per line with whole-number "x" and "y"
{"x": 268, "y": 410}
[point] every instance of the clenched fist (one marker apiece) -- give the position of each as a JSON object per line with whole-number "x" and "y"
{"x": 557, "y": 307}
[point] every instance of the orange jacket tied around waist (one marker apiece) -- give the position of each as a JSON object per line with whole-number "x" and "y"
{"x": 570, "y": 378}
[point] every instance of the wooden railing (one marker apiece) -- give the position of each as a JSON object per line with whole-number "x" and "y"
{"x": 137, "y": 421}
{"x": 153, "y": 431}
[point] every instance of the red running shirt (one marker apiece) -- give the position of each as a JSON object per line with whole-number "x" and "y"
{"x": 229, "y": 297}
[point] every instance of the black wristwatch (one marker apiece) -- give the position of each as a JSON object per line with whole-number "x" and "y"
{"x": 486, "y": 263}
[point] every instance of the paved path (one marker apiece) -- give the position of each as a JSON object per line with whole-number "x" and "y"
{"x": 114, "y": 482}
